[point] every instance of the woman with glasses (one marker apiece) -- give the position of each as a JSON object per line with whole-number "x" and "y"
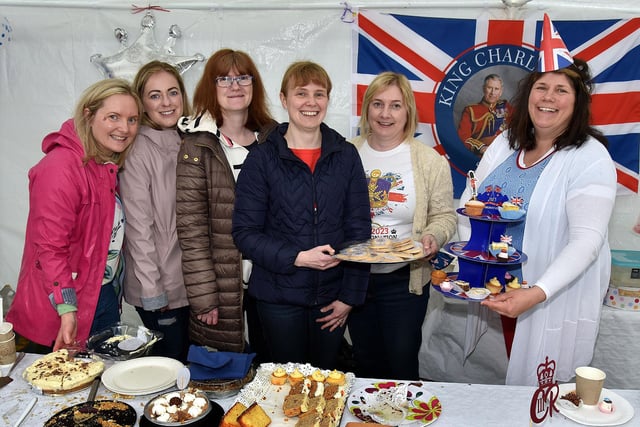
{"x": 230, "y": 118}
{"x": 300, "y": 196}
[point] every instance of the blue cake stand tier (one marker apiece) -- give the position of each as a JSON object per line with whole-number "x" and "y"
{"x": 476, "y": 264}
{"x": 478, "y": 267}
{"x": 485, "y": 229}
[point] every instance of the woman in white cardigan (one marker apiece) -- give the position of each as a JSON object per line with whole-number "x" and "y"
{"x": 557, "y": 165}
{"x": 411, "y": 196}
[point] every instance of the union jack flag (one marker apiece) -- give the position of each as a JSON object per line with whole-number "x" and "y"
{"x": 442, "y": 56}
{"x": 517, "y": 201}
{"x": 553, "y": 53}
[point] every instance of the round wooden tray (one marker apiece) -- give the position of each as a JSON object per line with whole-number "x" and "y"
{"x": 219, "y": 389}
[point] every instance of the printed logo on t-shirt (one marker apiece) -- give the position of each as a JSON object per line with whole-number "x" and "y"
{"x": 391, "y": 210}
{"x": 384, "y": 191}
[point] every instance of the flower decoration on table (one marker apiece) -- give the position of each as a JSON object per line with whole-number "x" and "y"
{"x": 543, "y": 402}
{"x": 126, "y": 62}
{"x": 425, "y": 411}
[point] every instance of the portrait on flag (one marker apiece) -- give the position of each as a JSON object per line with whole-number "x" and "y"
{"x": 482, "y": 121}
{"x": 446, "y": 60}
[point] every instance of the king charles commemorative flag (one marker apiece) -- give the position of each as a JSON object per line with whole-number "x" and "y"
{"x": 447, "y": 60}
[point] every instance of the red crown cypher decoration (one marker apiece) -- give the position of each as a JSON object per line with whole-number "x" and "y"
{"x": 544, "y": 399}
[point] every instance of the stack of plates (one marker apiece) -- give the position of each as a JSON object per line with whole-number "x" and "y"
{"x": 145, "y": 375}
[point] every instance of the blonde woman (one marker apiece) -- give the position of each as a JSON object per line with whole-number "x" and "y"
{"x": 69, "y": 282}
{"x": 411, "y": 196}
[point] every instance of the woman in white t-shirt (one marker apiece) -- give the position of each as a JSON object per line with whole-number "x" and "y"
{"x": 411, "y": 196}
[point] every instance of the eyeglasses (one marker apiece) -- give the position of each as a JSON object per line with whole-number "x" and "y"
{"x": 227, "y": 81}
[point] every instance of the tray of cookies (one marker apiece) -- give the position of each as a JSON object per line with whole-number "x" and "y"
{"x": 382, "y": 251}
{"x": 291, "y": 394}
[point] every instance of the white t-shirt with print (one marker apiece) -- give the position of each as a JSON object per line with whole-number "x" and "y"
{"x": 391, "y": 195}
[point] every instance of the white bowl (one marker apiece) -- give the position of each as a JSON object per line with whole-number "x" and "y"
{"x": 511, "y": 214}
{"x": 478, "y": 293}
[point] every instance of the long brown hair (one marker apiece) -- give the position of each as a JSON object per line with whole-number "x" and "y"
{"x": 91, "y": 100}
{"x": 521, "y": 132}
{"x": 145, "y": 73}
{"x": 220, "y": 64}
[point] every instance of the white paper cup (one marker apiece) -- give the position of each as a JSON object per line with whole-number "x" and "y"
{"x": 8, "y": 350}
{"x": 6, "y": 331}
{"x": 589, "y": 382}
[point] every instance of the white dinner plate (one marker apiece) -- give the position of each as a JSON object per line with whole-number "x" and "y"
{"x": 590, "y": 415}
{"x": 144, "y": 375}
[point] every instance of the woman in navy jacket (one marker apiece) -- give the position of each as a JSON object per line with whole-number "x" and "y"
{"x": 300, "y": 196}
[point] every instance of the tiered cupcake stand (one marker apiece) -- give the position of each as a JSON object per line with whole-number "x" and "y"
{"x": 476, "y": 264}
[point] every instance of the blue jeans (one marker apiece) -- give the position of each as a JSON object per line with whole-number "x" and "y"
{"x": 292, "y": 335}
{"x": 174, "y": 324}
{"x": 107, "y": 310}
{"x": 387, "y": 330}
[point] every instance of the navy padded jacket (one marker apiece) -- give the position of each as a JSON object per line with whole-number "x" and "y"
{"x": 281, "y": 208}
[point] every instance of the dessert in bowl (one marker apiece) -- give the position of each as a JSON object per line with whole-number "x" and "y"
{"x": 496, "y": 247}
{"x": 478, "y": 293}
{"x": 177, "y": 408}
{"x": 506, "y": 213}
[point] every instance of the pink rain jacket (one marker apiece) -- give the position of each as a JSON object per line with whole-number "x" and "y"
{"x": 68, "y": 231}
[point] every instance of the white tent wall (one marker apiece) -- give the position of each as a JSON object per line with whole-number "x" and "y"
{"x": 45, "y": 48}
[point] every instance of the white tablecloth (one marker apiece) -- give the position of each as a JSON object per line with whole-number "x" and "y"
{"x": 616, "y": 352}
{"x": 462, "y": 404}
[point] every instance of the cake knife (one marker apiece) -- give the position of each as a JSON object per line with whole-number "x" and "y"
{"x": 94, "y": 389}
{"x": 26, "y": 412}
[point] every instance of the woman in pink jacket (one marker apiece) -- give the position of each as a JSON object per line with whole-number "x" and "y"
{"x": 69, "y": 286}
